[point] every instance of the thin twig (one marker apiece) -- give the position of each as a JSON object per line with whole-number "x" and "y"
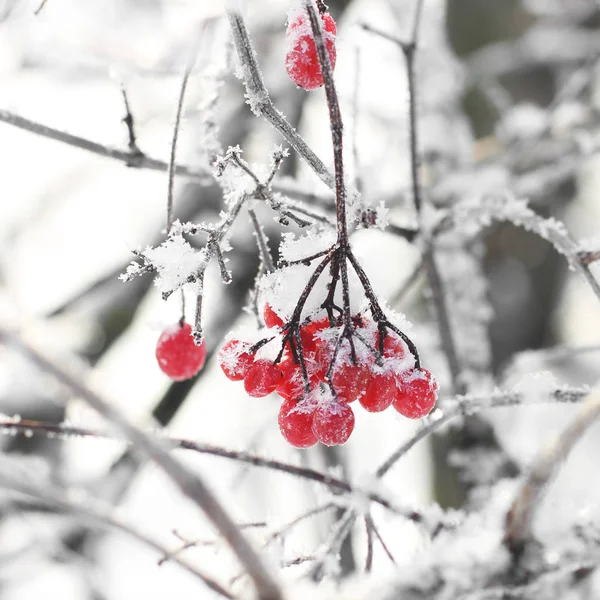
{"x": 520, "y": 516}
{"x": 129, "y": 122}
{"x": 380, "y": 538}
{"x": 467, "y": 405}
{"x": 39, "y": 9}
{"x": 333, "y": 544}
{"x": 131, "y": 159}
{"x": 188, "y": 482}
{"x": 369, "y": 531}
{"x": 176, "y": 128}
{"x": 263, "y": 243}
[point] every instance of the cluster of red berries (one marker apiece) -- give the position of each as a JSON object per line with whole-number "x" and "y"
{"x": 311, "y": 414}
{"x": 177, "y": 354}
{"x": 301, "y": 59}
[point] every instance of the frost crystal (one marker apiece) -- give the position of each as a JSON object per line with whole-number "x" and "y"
{"x": 176, "y": 263}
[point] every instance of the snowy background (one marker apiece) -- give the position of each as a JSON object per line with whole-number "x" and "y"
{"x": 508, "y": 110}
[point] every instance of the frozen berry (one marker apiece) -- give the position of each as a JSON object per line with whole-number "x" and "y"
{"x": 177, "y": 354}
{"x": 262, "y": 378}
{"x": 271, "y": 318}
{"x": 333, "y": 422}
{"x": 350, "y": 381}
{"x": 292, "y": 384}
{"x": 301, "y": 60}
{"x": 235, "y": 360}
{"x": 380, "y": 393}
{"x": 295, "y": 423}
{"x": 393, "y": 345}
{"x": 417, "y": 394}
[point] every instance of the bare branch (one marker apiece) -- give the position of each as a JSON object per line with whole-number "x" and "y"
{"x": 467, "y": 405}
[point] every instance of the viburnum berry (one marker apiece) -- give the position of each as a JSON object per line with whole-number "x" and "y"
{"x": 295, "y": 423}
{"x": 350, "y": 381}
{"x": 380, "y": 393}
{"x": 393, "y": 345}
{"x": 301, "y": 60}
{"x": 235, "y": 360}
{"x": 333, "y": 422}
{"x": 177, "y": 354}
{"x": 417, "y": 394}
{"x": 271, "y": 318}
{"x": 262, "y": 378}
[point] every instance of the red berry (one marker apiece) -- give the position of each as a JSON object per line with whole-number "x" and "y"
{"x": 323, "y": 357}
{"x": 333, "y": 423}
{"x": 295, "y": 423}
{"x": 262, "y": 378}
{"x": 235, "y": 360}
{"x": 417, "y": 394}
{"x": 271, "y": 318}
{"x": 393, "y": 345}
{"x": 177, "y": 354}
{"x": 301, "y": 60}
{"x": 292, "y": 384}
{"x": 380, "y": 394}
{"x": 350, "y": 381}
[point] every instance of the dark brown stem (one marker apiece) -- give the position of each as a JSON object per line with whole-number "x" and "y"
{"x": 335, "y": 122}
{"x": 11, "y": 426}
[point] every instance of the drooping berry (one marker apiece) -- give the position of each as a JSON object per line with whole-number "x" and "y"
{"x": 350, "y": 381}
{"x": 271, "y": 318}
{"x": 292, "y": 384}
{"x": 417, "y": 394}
{"x": 301, "y": 60}
{"x": 381, "y": 392}
{"x": 333, "y": 422}
{"x": 177, "y": 354}
{"x": 235, "y": 360}
{"x": 262, "y": 378}
{"x": 393, "y": 345}
{"x": 295, "y": 423}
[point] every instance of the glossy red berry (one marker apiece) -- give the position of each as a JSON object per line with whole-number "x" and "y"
{"x": 350, "y": 381}
{"x": 271, "y": 318}
{"x": 417, "y": 394}
{"x": 262, "y": 378}
{"x": 295, "y": 423}
{"x": 177, "y": 354}
{"x": 235, "y": 360}
{"x": 381, "y": 392}
{"x": 301, "y": 60}
{"x": 393, "y": 345}
{"x": 333, "y": 423}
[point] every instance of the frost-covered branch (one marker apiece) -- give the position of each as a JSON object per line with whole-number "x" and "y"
{"x": 470, "y": 217}
{"x": 260, "y": 101}
{"x": 471, "y": 404}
